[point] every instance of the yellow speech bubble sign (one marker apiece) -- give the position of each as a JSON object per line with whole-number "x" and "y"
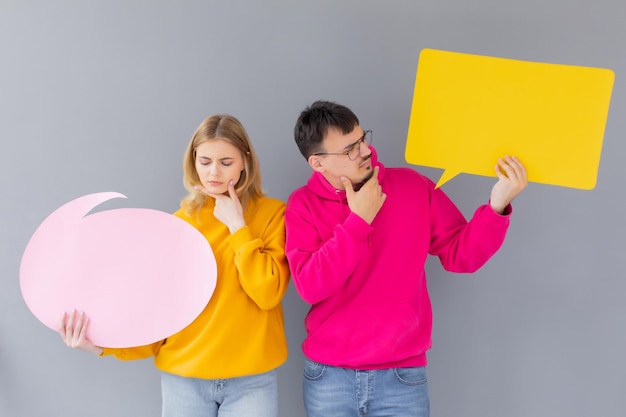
{"x": 469, "y": 110}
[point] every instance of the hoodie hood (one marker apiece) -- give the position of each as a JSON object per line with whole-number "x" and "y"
{"x": 320, "y": 186}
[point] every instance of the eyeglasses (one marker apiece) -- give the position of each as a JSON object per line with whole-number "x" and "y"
{"x": 354, "y": 149}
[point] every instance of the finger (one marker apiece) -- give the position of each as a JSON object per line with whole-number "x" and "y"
{"x": 201, "y": 189}
{"x": 70, "y": 320}
{"x": 506, "y": 166}
{"x": 375, "y": 174}
{"x": 69, "y": 326}
{"x": 80, "y": 320}
{"x": 347, "y": 184}
{"x": 520, "y": 170}
{"x": 61, "y": 325}
{"x": 83, "y": 330}
{"x": 501, "y": 175}
{"x": 78, "y": 328}
{"x": 515, "y": 171}
{"x": 231, "y": 190}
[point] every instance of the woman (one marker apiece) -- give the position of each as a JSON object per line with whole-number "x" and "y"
{"x": 224, "y": 362}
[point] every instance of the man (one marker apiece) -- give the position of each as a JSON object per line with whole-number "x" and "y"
{"x": 358, "y": 235}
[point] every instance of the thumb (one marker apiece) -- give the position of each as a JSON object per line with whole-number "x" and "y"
{"x": 202, "y": 190}
{"x": 347, "y": 184}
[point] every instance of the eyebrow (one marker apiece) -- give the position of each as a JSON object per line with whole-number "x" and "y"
{"x": 347, "y": 147}
{"x": 220, "y": 159}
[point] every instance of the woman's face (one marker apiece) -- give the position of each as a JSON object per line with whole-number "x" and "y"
{"x": 218, "y": 162}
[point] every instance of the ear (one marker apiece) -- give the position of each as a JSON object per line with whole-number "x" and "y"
{"x": 315, "y": 162}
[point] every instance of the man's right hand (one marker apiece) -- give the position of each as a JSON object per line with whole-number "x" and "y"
{"x": 367, "y": 202}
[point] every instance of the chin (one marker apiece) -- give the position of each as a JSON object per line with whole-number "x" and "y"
{"x": 215, "y": 190}
{"x": 368, "y": 175}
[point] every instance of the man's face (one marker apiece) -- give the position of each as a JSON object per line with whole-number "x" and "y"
{"x": 338, "y": 165}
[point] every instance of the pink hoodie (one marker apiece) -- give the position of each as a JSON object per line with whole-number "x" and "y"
{"x": 366, "y": 283}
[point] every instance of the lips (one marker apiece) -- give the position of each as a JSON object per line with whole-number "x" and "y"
{"x": 367, "y": 162}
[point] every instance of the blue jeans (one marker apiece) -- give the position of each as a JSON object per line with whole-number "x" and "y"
{"x": 340, "y": 392}
{"x": 246, "y": 396}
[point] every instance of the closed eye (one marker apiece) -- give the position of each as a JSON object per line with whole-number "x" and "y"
{"x": 225, "y": 161}
{"x": 356, "y": 144}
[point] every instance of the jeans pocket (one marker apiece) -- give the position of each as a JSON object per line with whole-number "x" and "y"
{"x": 411, "y": 376}
{"x": 313, "y": 370}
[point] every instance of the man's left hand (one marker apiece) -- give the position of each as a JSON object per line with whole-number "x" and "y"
{"x": 512, "y": 179}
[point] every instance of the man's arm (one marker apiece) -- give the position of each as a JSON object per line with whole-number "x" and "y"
{"x": 466, "y": 246}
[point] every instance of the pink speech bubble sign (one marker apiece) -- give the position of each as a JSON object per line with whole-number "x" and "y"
{"x": 140, "y": 275}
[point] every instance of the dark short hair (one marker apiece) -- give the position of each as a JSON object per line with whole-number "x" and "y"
{"x": 314, "y": 122}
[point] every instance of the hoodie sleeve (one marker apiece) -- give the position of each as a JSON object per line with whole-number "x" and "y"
{"x": 263, "y": 269}
{"x": 134, "y": 353}
{"x": 460, "y": 245}
{"x": 320, "y": 265}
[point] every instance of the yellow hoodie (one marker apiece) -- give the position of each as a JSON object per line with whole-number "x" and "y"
{"x": 241, "y": 330}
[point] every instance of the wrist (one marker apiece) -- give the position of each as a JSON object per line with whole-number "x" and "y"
{"x": 498, "y": 206}
{"x": 234, "y": 228}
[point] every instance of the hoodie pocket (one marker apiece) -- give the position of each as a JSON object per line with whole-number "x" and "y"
{"x": 369, "y": 335}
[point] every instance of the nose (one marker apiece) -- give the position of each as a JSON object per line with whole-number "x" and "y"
{"x": 368, "y": 151}
{"x": 214, "y": 170}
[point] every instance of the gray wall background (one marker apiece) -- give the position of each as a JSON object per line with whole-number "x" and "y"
{"x": 103, "y": 96}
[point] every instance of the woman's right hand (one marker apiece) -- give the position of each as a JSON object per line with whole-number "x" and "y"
{"x": 73, "y": 330}
{"x": 228, "y": 208}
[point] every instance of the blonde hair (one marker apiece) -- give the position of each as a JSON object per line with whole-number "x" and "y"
{"x": 228, "y": 128}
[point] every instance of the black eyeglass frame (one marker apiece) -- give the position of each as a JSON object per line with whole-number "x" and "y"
{"x": 354, "y": 147}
